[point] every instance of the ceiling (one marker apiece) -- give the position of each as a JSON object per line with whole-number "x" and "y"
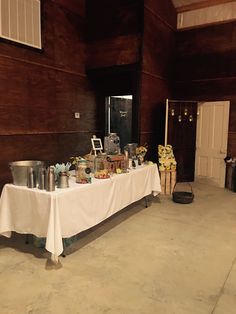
{"x": 188, "y": 5}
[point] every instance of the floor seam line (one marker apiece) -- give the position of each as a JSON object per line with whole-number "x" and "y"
{"x": 223, "y": 286}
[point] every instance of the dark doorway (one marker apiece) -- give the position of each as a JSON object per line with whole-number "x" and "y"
{"x": 117, "y": 82}
{"x": 119, "y": 117}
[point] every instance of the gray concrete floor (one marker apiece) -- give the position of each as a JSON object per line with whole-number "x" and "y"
{"x": 164, "y": 259}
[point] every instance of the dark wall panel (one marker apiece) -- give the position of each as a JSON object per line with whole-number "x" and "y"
{"x": 112, "y": 52}
{"x": 157, "y": 58}
{"x": 152, "y": 113}
{"x": 76, "y": 6}
{"x": 232, "y": 144}
{"x": 154, "y": 93}
{"x": 164, "y": 9}
{"x": 207, "y": 40}
{"x": 114, "y": 31}
{"x": 159, "y": 43}
{"x": 111, "y": 19}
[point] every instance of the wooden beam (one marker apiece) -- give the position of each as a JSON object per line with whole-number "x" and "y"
{"x": 200, "y": 5}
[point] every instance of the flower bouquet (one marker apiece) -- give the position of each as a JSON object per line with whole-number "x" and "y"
{"x": 61, "y": 168}
{"x": 141, "y": 152}
{"x": 166, "y": 158}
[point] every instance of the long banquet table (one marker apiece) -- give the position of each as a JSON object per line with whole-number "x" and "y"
{"x": 66, "y": 212}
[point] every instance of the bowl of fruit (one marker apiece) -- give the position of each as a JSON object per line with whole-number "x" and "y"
{"x": 101, "y": 174}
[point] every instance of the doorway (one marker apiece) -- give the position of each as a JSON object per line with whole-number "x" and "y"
{"x": 211, "y": 141}
{"x": 119, "y": 117}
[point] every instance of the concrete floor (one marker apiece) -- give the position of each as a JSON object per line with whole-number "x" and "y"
{"x": 164, "y": 259}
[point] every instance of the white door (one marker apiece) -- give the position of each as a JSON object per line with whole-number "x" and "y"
{"x": 211, "y": 141}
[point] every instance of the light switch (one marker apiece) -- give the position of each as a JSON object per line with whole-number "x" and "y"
{"x": 77, "y": 115}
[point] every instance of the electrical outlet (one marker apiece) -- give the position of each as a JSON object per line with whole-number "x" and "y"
{"x": 77, "y": 115}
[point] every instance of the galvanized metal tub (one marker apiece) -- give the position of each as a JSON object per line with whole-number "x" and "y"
{"x": 19, "y": 170}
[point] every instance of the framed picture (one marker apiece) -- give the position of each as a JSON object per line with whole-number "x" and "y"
{"x": 96, "y": 144}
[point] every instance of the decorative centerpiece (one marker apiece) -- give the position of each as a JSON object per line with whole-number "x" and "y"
{"x": 61, "y": 168}
{"x": 166, "y": 158}
{"x": 82, "y": 170}
{"x": 167, "y": 167}
{"x": 141, "y": 152}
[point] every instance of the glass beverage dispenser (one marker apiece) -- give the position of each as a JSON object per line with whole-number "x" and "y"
{"x": 83, "y": 172}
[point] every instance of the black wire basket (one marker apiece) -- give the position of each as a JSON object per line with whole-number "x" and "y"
{"x": 183, "y": 197}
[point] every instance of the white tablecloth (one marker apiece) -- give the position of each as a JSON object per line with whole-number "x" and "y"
{"x": 66, "y": 212}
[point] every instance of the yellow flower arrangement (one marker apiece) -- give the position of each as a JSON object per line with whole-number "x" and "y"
{"x": 76, "y": 159}
{"x": 141, "y": 150}
{"x": 166, "y": 158}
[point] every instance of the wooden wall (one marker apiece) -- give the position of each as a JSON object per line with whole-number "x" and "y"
{"x": 114, "y": 31}
{"x": 206, "y": 68}
{"x": 157, "y": 62}
{"x": 41, "y": 90}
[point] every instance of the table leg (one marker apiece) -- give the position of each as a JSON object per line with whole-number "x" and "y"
{"x": 146, "y": 201}
{"x": 27, "y": 239}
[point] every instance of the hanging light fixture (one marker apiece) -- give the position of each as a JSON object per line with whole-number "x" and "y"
{"x": 180, "y": 116}
{"x": 172, "y": 112}
{"x": 190, "y": 118}
{"x": 185, "y": 111}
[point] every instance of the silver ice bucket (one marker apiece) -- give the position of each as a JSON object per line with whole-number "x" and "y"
{"x": 20, "y": 169}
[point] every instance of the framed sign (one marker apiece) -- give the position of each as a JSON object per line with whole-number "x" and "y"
{"x": 96, "y": 144}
